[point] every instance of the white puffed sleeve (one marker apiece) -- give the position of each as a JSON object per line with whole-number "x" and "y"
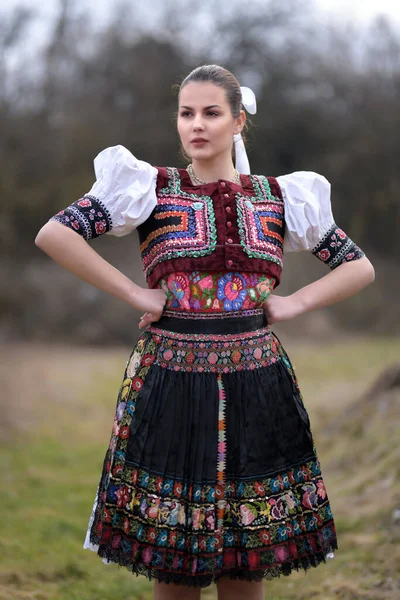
{"x": 122, "y": 197}
{"x": 308, "y": 212}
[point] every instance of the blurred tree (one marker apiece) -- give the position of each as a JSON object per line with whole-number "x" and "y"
{"x": 327, "y": 101}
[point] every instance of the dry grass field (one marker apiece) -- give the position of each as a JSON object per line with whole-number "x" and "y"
{"x": 57, "y": 407}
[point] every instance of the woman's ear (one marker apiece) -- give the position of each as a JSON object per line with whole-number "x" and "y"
{"x": 240, "y": 121}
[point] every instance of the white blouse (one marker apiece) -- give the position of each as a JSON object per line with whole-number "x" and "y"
{"x": 126, "y": 186}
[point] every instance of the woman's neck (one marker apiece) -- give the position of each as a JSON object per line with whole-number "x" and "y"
{"x": 208, "y": 171}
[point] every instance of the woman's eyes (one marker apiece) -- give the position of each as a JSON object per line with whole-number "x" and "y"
{"x": 211, "y": 113}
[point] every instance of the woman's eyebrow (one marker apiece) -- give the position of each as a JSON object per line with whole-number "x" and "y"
{"x": 206, "y": 108}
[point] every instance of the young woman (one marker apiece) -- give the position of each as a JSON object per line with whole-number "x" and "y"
{"x": 211, "y": 474}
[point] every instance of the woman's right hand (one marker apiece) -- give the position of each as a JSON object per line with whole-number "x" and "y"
{"x": 153, "y": 302}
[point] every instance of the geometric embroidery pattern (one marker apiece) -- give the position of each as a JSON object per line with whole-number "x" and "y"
{"x": 180, "y": 226}
{"x": 261, "y": 222}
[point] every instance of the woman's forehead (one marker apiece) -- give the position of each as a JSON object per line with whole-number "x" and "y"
{"x": 197, "y": 94}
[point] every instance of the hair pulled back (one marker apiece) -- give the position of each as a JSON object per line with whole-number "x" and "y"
{"x": 221, "y": 77}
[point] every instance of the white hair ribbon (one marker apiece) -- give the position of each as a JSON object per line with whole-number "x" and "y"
{"x": 250, "y": 104}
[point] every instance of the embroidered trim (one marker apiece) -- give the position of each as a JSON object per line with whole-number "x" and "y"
{"x": 181, "y": 225}
{"x": 212, "y": 315}
{"x": 88, "y": 216}
{"x": 261, "y": 222}
{"x": 214, "y": 353}
{"x": 336, "y": 248}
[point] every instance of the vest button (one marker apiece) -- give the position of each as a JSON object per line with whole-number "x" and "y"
{"x": 229, "y": 224}
{"x": 230, "y": 241}
{"x": 223, "y": 184}
{"x": 226, "y": 195}
{"x": 228, "y": 208}
{"x": 230, "y": 263}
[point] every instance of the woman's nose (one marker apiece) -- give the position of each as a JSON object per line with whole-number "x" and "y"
{"x": 198, "y": 122}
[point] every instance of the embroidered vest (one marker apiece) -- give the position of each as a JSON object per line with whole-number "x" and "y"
{"x": 213, "y": 227}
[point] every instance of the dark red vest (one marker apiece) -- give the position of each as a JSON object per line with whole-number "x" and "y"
{"x": 219, "y": 226}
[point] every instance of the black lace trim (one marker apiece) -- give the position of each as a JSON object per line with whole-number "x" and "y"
{"x": 336, "y": 248}
{"x": 87, "y": 216}
{"x": 244, "y": 573}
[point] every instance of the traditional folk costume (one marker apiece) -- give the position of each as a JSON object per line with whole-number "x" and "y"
{"x": 211, "y": 467}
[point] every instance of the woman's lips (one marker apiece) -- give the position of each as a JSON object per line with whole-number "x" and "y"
{"x": 199, "y": 141}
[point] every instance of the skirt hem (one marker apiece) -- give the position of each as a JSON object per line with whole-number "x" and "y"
{"x": 244, "y": 573}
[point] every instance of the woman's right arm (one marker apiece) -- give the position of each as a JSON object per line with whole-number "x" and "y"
{"x": 71, "y": 251}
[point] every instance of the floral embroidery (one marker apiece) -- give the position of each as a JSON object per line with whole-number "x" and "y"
{"x": 232, "y": 290}
{"x": 219, "y": 291}
{"x": 336, "y": 248}
{"x": 214, "y": 353}
{"x": 87, "y": 216}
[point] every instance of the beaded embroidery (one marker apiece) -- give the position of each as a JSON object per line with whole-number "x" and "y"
{"x": 87, "y": 216}
{"x": 336, "y": 248}
{"x": 261, "y": 222}
{"x": 181, "y": 225}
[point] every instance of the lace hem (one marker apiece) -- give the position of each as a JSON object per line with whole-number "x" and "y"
{"x": 305, "y": 562}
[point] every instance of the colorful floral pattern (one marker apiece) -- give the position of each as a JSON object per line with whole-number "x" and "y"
{"x": 219, "y": 291}
{"x": 192, "y": 532}
{"x": 87, "y": 216}
{"x": 214, "y": 353}
{"x": 336, "y": 248}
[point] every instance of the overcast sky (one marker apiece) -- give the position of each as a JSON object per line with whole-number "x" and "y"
{"x": 360, "y": 10}
{"x": 354, "y": 11}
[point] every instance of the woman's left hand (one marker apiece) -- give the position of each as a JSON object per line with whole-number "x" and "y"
{"x": 281, "y": 308}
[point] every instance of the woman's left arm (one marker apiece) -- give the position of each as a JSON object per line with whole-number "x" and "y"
{"x": 342, "y": 282}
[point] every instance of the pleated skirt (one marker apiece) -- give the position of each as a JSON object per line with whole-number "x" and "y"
{"x": 211, "y": 467}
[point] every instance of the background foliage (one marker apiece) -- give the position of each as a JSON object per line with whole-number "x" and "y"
{"x": 328, "y": 101}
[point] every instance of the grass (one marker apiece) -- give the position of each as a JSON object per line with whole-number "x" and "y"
{"x": 55, "y": 430}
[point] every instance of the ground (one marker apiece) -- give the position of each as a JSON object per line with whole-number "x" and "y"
{"x": 57, "y": 408}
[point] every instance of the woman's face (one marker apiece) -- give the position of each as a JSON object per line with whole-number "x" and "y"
{"x": 206, "y": 125}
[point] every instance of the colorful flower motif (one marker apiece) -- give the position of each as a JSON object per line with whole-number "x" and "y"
{"x": 321, "y": 491}
{"x": 137, "y": 383}
{"x": 309, "y": 496}
{"x": 123, "y": 496}
{"x": 124, "y": 432}
{"x": 278, "y": 509}
{"x": 206, "y": 283}
{"x": 133, "y": 365}
{"x": 232, "y": 290}
{"x": 248, "y": 514}
{"x": 100, "y": 227}
{"x": 281, "y": 553}
{"x": 340, "y": 233}
{"x": 179, "y": 285}
{"x": 120, "y": 410}
{"x": 324, "y": 254}
{"x": 265, "y": 536}
{"x": 85, "y": 202}
{"x": 259, "y": 489}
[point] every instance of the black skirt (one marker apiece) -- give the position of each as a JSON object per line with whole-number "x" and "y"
{"x": 211, "y": 468}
